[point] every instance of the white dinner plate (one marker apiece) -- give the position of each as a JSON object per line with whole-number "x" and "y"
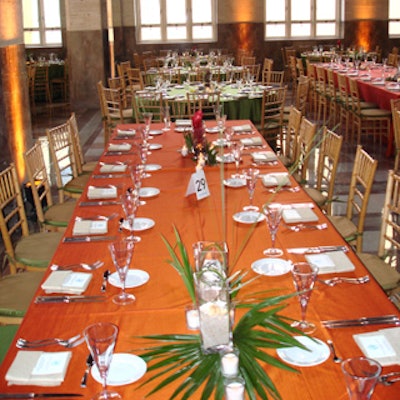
{"x": 183, "y": 129}
{"x": 317, "y": 352}
{"x": 271, "y": 266}
{"x": 248, "y": 217}
{"x": 152, "y": 167}
{"x": 147, "y": 192}
{"x": 235, "y": 182}
{"x": 213, "y": 129}
{"x": 156, "y": 132}
{"x": 142, "y": 224}
{"x": 134, "y": 278}
{"x": 226, "y": 158}
{"x": 124, "y": 369}
{"x": 220, "y": 142}
{"x": 155, "y": 146}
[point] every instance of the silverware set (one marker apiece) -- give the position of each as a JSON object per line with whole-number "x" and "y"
{"x": 69, "y": 299}
{"x": 362, "y": 321}
{"x": 293, "y": 189}
{"x": 341, "y": 279}
{"x": 302, "y": 227}
{"x": 86, "y": 239}
{"x": 72, "y": 342}
{"x": 89, "y": 267}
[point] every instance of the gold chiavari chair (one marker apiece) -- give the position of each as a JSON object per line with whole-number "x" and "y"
{"x": 351, "y": 225}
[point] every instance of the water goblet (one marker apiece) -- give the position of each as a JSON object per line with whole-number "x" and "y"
{"x": 137, "y": 173}
{"x": 121, "y": 253}
{"x": 147, "y": 116}
{"x": 166, "y": 118}
{"x": 273, "y": 214}
{"x": 221, "y": 120}
{"x": 100, "y": 339}
{"x": 304, "y": 276}
{"x": 144, "y": 152}
{"x": 237, "y": 148}
{"x": 130, "y": 203}
{"x": 251, "y": 176}
{"x": 361, "y": 375}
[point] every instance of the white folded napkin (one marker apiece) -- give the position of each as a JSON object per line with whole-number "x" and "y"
{"x": 119, "y": 147}
{"x": 126, "y": 132}
{"x": 264, "y": 156}
{"x": 38, "y": 368}
{"x": 67, "y": 282}
{"x": 90, "y": 227}
{"x": 383, "y": 345}
{"x": 110, "y": 168}
{"x": 297, "y": 214}
{"x": 242, "y": 128}
{"x": 332, "y": 262}
{"x": 108, "y": 192}
{"x": 276, "y": 179}
{"x": 256, "y": 141}
{"x": 183, "y": 122}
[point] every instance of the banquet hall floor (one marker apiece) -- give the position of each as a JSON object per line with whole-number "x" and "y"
{"x": 89, "y": 122}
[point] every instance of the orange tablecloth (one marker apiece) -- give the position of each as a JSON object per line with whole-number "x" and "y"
{"x": 160, "y": 303}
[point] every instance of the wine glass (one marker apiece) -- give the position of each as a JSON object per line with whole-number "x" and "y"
{"x": 147, "y": 116}
{"x": 251, "y": 176}
{"x": 100, "y": 339}
{"x": 130, "y": 202}
{"x": 304, "y": 276}
{"x": 121, "y": 253}
{"x": 144, "y": 152}
{"x": 361, "y": 375}
{"x": 137, "y": 173}
{"x": 237, "y": 148}
{"x": 166, "y": 118}
{"x": 273, "y": 214}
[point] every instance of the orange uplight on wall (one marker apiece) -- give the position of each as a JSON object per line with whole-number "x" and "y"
{"x": 364, "y": 35}
{"x": 244, "y": 37}
{"x": 13, "y": 87}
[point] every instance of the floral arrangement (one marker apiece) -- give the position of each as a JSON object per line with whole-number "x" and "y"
{"x": 196, "y": 142}
{"x": 181, "y": 358}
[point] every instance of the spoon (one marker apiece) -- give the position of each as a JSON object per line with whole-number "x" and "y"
{"x": 340, "y": 279}
{"x": 336, "y": 358}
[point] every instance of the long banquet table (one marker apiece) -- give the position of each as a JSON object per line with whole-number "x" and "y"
{"x": 161, "y": 302}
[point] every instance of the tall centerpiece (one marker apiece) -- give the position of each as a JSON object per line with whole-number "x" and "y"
{"x": 196, "y": 142}
{"x": 212, "y": 292}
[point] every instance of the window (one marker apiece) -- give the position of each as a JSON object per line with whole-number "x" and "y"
{"x": 299, "y": 19}
{"x": 394, "y": 18}
{"x": 176, "y": 20}
{"x": 42, "y": 22}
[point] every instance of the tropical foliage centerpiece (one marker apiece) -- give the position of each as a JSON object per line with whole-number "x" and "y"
{"x": 184, "y": 358}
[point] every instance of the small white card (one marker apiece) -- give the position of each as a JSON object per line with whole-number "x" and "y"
{"x": 322, "y": 261}
{"x": 51, "y": 363}
{"x": 198, "y": 185}
{"x": 376, "y": 346}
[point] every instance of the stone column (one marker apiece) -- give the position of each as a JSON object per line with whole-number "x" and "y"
{"x": 86, "y": 47}
{"x": 15, "y": 117}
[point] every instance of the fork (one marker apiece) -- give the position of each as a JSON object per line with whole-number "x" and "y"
{"x": 390, "y": 378}
{"x": 300, "y": 227}
{"x": 32, "y": 344}
{"x": 91, "y": 267}
{"x": 341, "y": 279}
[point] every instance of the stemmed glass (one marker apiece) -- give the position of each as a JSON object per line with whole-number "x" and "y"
{"x": 273, "y": 214}
{"x": 144, "y": 151}
{"x": 147, "y": 116}
{"x": 237, "y": 148}
{"x": 166, "y": 118}
{"x": 251, "y": 176}
{"x": 137, "y": 173}
{"x": 100, "y": 339}
{"x": 121, "y": 253}
{"x": 304, "y": 277}
{"x": 130, "y": 202}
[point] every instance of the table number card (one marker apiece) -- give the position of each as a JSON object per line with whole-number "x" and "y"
{"x": 198, "y": 185}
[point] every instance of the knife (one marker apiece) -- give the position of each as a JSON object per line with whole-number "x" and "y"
{"x": 104, "y": 176}
{"x": 69, "y": 299}
{"x": 98, "y": 203}
{"x": 85, "y": 239}
{"x": 316, "y": 250}
{"x": 37, "y": 395}
{"x": 362, "y": 321}
{"x": 106, "y": 274}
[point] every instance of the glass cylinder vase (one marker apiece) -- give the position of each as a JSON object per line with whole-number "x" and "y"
{"x": 214, "y": 310}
